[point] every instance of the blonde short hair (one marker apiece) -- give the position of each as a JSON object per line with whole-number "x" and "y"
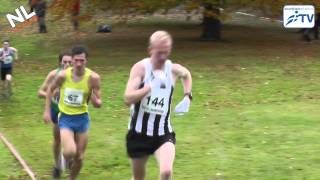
{"x": 160, "y": 37}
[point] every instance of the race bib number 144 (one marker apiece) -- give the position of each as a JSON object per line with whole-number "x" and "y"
{"x": 156, "y": 102}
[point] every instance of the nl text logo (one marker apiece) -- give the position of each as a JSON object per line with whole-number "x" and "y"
{"x": 20, "y": 17}
{"x": 298, "y": 16}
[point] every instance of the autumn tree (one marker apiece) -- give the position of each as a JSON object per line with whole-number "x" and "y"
{"x": 123, "y": 8}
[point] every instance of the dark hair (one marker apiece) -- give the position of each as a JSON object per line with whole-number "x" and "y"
{"x": 64, "y": 53}
{"x": 6, "y": 40}
{"x": 79, "y": 50}
{"x": 208, "y": 6}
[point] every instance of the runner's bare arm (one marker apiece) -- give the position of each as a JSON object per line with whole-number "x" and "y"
{"x": 15, "y": 52}
{"x": 1, "y": 54}
{"x": 44, "y": 87}
{"x": 96, "y": 91}
{"x": 185, "y": 76}
{"x": 56, "y": 83}
{"x": 133, "y": 94}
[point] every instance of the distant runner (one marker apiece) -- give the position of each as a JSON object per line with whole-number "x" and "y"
{"x": 65, "y": 60}
{"x": 7, "y": 56}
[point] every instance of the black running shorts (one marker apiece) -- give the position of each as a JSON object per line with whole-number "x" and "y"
{"x": 139, "y": 145}
{"x": 4, "y": 72}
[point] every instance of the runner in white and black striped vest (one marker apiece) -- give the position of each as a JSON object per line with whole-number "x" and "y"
{"x": 151, "y": 115}
{"x": 149, "y": 93}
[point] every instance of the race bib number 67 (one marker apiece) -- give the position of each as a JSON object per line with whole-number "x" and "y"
{"x": 73, "y": 97}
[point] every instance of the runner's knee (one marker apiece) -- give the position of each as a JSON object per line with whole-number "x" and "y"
{"x": 56, "y": 136}
{"x": 69, "y": 151}
{"x": 138, "y": 177}
{"x": 57, "y": 141}
{"x": 8, "y": 77}
{"x": 138, "y": 174}
{"x": 79, "y": 156}
{"x": 166, "y": 172}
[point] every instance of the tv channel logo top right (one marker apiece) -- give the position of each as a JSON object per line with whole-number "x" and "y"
{"x": 298, "y": 16}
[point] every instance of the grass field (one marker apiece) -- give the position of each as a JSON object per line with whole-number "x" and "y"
{"x": 255, "y": 113}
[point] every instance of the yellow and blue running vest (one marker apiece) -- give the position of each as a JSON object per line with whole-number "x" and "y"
{"x": 74, "y": 96}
